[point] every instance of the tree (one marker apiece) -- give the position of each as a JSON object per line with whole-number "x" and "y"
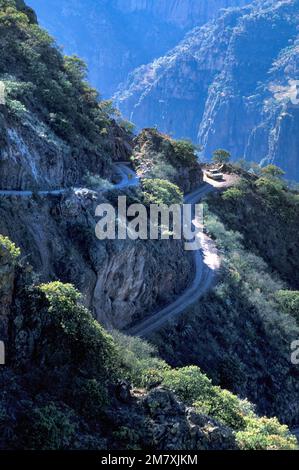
{"x": 289, "y": 302}
{"x": 159, "y": 192}
{"x": 221, "y": 156}
{"x": 184, "y": 151}
{"x": 273, "y": 171}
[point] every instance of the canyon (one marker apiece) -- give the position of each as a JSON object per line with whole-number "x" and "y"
{"x": 186, "y": 67}
{"x": 76, "y": 376}
{"x": 116, "y": 36}
{"x": 229, "y": 84}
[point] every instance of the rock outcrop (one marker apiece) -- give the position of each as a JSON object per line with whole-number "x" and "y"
{"x": 158, "y": 156}
{"x": 230, "y": 84}
{"x": 164, "y": 423}
{"x": 121, "y": 280}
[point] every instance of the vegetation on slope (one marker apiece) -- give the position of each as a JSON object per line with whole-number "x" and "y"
{"x": 266, "y": 213}
{"x": 158, "y": 156}
{"x": 238, "y": 333}
{"x": 39, "y": 80}
{"x": 59, "y": 387}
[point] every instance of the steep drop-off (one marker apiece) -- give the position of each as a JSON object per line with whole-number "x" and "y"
{"x": 116, "y": 36}
{"x": 230, "y": 84}
{"x": 55, "y": 133}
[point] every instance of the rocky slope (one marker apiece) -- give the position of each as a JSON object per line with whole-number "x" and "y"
{"x": 230, "y": 84}
{"x": 54, "y": 130}
{"x": 52, "y": 138}
{"x": 121, "y": 281}
{"x": 65, "y": 384}
{"x": 115, "y": 37}
{"x": 157, "y": 156}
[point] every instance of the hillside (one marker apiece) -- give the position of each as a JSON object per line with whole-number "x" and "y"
{"x": 66, "y": 384}
{"x": 54, "y": 130}
{"x": 220, "y": 377}
{"x": 240, "y": 333}
{"x": 230, "y": 84}
{"x": 116, "y": 36}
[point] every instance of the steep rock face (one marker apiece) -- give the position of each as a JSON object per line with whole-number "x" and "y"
{"x": 229, "y": 84}
{"x": 121, "y": 281}
{"x": 183, "y": 13}
{"x": 171, "y": 92}
{"x": 33, "y": 157}
{"x": 251, "y": 108}
{"x": 115, "y": 37}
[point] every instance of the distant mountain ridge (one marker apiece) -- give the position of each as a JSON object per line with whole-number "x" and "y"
{"x": 116, "y": 36}
{"x": 230, "y": 83}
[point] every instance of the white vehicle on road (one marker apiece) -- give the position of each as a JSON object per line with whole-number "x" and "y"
{"x": 215, "y": 174}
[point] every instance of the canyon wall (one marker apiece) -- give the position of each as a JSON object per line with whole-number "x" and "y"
{"x": 182, "y": 13}
{"x": 121, "y": 281}
{"x": 229, "y": 84}
{"x": 115, "y": 37}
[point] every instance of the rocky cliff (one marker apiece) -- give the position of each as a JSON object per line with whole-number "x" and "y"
{"x": 115, "y": 37}
{"x": 121, "y": 281}
{"x": 53, "y": 127}
{"x": 229, "y": 84}
{"x": 54, "y": 133}
{"x": 184, "y": 13}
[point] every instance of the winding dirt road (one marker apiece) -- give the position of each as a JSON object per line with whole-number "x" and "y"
{"x": 207, "y": 263}
{"x": 206, "y": 258}
{"x": 128, "y": 179}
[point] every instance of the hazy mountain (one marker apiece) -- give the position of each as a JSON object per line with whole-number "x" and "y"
{"x": 230, "y": 83}
{"x": 116, "y": 36}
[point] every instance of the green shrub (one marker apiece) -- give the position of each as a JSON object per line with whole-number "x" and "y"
{"x": 272, "y": 189}
{"x": 162, "y": 170}
{"x": 221, "y": 156}
{"x": 96, "y": 182}
{"x": 223, "y": 406}
{"x": 188, "y": 383}
{"x": 10, "y": 248}
{"x": 272, "y": 171}
{"x": 76, "y": 334}
{"x": 184, "y": 151}
{"x": 48, "y": 428}
{"x": 289, "y": 302}
{"x": 140, "y": 363}
{"x": 233, "y": 194}
{"x": 159, "y": 192}
{"x": 194, "y": 388}
{"x": 265, "y": 434}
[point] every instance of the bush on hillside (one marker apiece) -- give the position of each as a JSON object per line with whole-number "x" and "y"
{"x": 289, "y": 302}
{"x": 159, "y": 192}
{"x": 10, "y": 248}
